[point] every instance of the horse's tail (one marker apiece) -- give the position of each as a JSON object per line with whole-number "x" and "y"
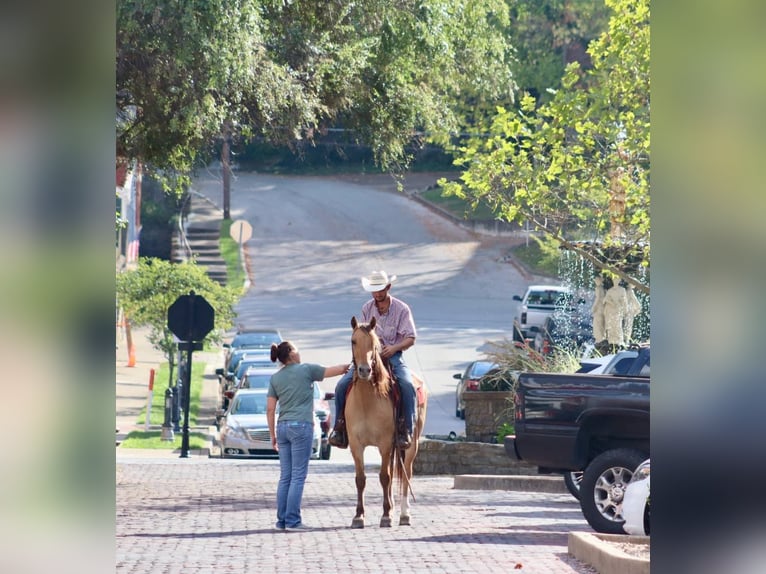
{"x": 400, "y": 475}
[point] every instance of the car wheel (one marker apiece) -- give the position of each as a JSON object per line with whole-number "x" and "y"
{"x": 603, "y": 487}
{"x": 325, "y": 450}
{"x": 572, "y": 481}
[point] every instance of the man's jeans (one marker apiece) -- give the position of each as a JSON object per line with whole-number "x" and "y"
{"x": 294, "y": 440}
{"x": 403, "y": 376}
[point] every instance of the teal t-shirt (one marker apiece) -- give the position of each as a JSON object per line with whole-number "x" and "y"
{"x": 293, "y": 387}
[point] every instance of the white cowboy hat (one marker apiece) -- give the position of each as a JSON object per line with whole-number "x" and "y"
{"x": 377, "y": 281}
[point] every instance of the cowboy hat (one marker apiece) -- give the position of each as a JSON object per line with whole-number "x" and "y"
{"x": 377, "y": 281}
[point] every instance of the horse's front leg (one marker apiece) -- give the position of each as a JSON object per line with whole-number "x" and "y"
{"x": 361, "y": 482}
{"x": 386, "y": 483}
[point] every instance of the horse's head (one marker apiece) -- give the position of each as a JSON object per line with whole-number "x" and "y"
{"x": 365, "y": 347}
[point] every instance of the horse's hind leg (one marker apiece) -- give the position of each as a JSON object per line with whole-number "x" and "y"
{"x": 409, "y": 459}
{"x": 361, "y": 481}
{"x": 386, "y": 482}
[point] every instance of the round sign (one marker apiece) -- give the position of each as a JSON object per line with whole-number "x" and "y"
{"x": 241, "y": 231}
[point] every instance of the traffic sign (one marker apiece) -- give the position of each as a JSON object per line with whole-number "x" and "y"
{"x": 190, "y": 317}
{"x": 241, "y": 231}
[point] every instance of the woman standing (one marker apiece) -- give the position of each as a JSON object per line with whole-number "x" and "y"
{"x": 293, "y": 387}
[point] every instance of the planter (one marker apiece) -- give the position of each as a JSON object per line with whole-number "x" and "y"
{"x": 485, "y": 411}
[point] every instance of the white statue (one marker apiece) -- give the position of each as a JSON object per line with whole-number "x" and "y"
{"x": 632, "y": 309}
{"x": 615, "y": 305}
{"x": 599, "y": 334}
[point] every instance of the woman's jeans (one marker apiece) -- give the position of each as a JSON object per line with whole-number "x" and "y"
{"x": 294, "y": 440}
{"x": 403, "y": 377}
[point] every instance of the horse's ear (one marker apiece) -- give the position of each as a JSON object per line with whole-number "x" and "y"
{"x": 372, "y": 323}
{"x": 353, "y": 322}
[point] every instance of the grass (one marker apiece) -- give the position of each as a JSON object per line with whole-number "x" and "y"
{"x": 536, "y": 259}
{"x": 458, "y": 207}
{"x": 230, "y": 252}
{"x": 151, "y": 439}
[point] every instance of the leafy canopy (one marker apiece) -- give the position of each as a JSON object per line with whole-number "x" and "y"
{"x": 385, "y": 70}
{"x": 577, "y": 167}
{"x": 146, "y": 292}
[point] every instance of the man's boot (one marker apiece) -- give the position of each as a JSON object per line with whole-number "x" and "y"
{"x": 403, "y": 436}
{"x": 338, "y": 437}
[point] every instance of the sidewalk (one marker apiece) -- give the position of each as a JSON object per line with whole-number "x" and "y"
{"x": 132, "y": 384}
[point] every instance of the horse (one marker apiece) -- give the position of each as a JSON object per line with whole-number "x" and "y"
{"x": 370, "y": 421}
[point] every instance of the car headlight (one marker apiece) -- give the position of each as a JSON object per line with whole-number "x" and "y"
{"x": 641, "y": 472}
{"x": 234, "y": 430}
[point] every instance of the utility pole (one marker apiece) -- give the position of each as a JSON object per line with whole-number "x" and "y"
{"x": 225, "y": 165}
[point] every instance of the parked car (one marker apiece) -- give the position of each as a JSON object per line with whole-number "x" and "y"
{"x": 251, "y": 339}
{"x": 568, "y": 332}
{"x": 245, "y": 430}
{"x": 239, "y": 355}
{"x": 231, "y": 382}
{"x": 635, "y": 503}
{"x": 257, "y": 377}
{"x": 537, "y": 303}
{"x": 468, "y": 380}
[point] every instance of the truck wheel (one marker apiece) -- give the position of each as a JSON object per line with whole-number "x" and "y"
{"x": 603, "y": 488}
{"x": 572, "y": 481}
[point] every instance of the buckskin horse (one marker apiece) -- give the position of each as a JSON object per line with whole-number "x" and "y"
{"x": 371, "y": 421}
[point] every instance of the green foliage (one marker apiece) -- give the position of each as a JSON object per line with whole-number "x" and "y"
{"x": 549, "y": 34}
{"x": 503, "y": 430}
{"x": 146, "y": 292}
{"x": 578, "y": 165}
{"x": 391, "y": 72}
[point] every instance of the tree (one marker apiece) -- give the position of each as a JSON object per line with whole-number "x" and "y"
{"x": 548, "y": 35}
{"x": 577, "y": 167}
{"x": 390, "y": 72}
{"x": 146, "y": 292}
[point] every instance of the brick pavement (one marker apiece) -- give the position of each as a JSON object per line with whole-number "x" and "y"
{"x": 200, "y": 515}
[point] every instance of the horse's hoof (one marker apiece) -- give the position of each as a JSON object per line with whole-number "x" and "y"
{"x": 357, "y": 523}
{"x": 404, "y": 521}
{"x": 385, "y": 522}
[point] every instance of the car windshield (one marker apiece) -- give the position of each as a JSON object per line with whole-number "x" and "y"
{"x": 258, "y": 381}
{"x": 480, "y": 368}
{"x": 261, "y": 340}
{"x": 548, "y": 297}
{"x": 245, "y": 364}
{"x": 249, "y": 405}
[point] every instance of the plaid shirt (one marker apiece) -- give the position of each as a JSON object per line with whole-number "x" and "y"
{"x": 393, "y": 326}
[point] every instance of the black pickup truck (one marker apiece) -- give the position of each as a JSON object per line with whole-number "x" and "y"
{"x": 597, "y": 424}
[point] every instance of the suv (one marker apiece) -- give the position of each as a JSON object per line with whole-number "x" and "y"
{"x": 538, "y": 302}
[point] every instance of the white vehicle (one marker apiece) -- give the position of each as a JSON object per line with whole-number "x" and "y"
{"x": 635, "y": 502}
{"x": 538, "y": 302}
{"x": 245, "y": 430}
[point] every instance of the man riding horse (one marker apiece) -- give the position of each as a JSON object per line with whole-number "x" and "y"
{"x": 395, "y": 328}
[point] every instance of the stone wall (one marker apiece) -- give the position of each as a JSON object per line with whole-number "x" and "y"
{"x": 462, "y": 457}
{"x": 485, "y": 411}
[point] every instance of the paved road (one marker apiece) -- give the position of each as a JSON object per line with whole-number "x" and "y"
{"x": 200, "y": 515}
{"x": 314, "y": 237}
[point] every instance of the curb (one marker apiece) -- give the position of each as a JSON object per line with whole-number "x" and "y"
{"x": 521, "y": 483}
{"x": 606, "y": 558}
